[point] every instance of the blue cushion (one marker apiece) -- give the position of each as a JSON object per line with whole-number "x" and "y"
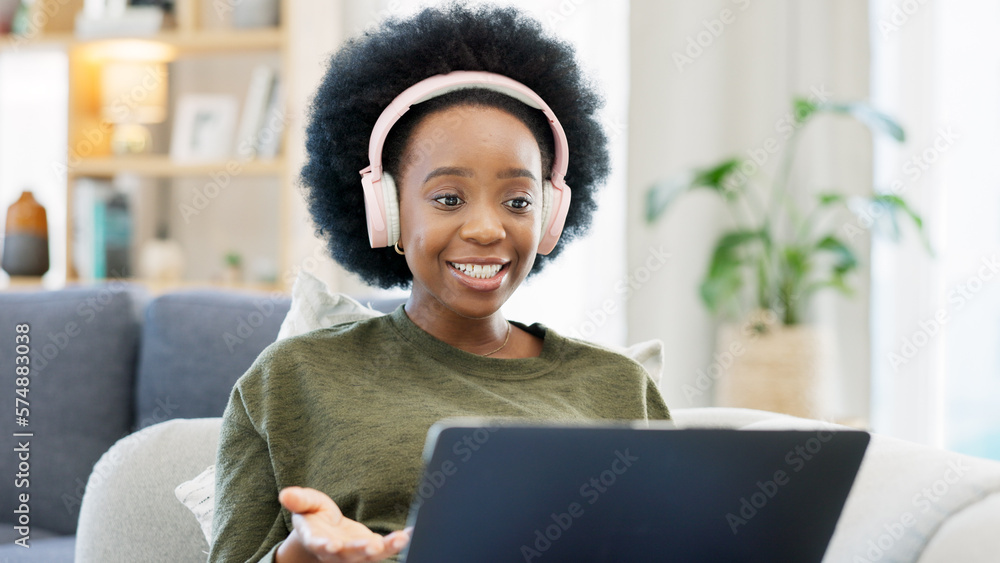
{"x": 58, "y": 549}
{"x": 195, "y": 345}
{"x": 83, "y": 351}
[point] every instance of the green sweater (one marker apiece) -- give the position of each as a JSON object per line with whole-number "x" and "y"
{"x": 346, "y": 410}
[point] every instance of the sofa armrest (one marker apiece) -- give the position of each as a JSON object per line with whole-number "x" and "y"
{"x": 129, "y": 511}
{"x": 723, "y": 417}
{"x": 969, "y": 535}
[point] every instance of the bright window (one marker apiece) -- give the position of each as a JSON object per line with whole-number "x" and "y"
{"x": 936, "y": 359}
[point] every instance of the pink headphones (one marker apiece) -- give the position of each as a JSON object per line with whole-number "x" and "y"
{"x": 381, "y": 200}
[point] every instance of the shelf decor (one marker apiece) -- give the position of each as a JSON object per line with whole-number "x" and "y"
{"x": 134, "y": 94}
{"x": 203, "y": 129}
{"x": 26, "y": 238}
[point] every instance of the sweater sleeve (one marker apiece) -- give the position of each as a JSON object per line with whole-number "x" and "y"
{"x": 656, "y": 407}
{"x": 248, "y": 522}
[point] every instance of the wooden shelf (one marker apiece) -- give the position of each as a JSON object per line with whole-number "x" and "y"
{"x": 194, "y": 32}
{"x": 163, "y": 167}
{"x": 154, "y": 287}
{"x": 186, "y": 43}
{"x": 10, "y": 42}
{"x": 222, "y": 40}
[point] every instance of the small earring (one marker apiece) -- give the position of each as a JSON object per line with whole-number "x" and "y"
{"x": 398, "y": 249}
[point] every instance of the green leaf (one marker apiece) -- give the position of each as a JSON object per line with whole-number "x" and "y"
{"x": 845, "y": 259}
{"x": 725, "y": 276}
{"x": 663, "y": 193}
{"x": 872, "y": 118}
{"x": 717, "y": 178}
{"x": 796, "y": 263}
{"x": 835, "y": 282}
{"x": 803, "y": 109}
{"x": 716, "y": 292}
{"x": 830, "y": 198}
{"x": 895, "y": 205}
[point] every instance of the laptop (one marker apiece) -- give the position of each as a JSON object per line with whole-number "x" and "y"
{"x": 506, "y": 492}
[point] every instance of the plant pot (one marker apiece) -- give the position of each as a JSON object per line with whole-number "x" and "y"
{"x": 781, "y": 369}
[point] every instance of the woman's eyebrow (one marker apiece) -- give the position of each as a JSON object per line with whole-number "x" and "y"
{"x": 449, "y": 171}
{"x": 468, "y": 173}
{"x": 515, "y": 173}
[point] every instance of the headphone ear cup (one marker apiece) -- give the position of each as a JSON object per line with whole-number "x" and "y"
{"x": 555, "y": 202}
{"x": 546, "y": 206}
{"x": 391, "y": 199}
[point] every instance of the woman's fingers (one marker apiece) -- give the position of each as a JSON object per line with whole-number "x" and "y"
{"x": 397, "y": 540}
{"x": 323, "y": 529}
{"x": 303, "y": 500}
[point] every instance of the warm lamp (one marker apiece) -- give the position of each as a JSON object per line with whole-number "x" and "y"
{"x": 133, "y": 94}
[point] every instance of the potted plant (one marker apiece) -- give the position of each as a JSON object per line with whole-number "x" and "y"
{"x": 766, "y": 268}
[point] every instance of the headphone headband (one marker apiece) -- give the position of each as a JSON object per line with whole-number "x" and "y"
{"x": 379, "y": 210}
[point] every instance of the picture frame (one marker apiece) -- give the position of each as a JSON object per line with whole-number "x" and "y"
{"x": 204, "y": 125}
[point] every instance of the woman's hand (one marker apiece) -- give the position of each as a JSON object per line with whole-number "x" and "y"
{"x": 322, "y": 533}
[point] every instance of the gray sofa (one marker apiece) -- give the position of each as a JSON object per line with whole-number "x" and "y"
{"x": 909, "y": 503}
{"x": 107, "y": 361}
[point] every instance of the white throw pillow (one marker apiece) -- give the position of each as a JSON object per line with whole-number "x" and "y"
{"x": 198, "y": 495}
{"x": 314, "y": 307}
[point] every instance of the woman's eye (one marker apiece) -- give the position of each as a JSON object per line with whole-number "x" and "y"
{"x": 448, "y": 200}
{"x": 519, "y": 203}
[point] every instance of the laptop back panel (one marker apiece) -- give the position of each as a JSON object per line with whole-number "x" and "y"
{"x": 608, "y": 494}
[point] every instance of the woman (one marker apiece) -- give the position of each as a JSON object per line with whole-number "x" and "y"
{"x": 320, "y": 451}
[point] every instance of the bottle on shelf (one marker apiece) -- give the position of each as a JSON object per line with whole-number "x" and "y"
{"x": 26, "y": 238}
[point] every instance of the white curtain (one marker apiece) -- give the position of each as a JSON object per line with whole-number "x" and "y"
{"x": 936, "y": 363}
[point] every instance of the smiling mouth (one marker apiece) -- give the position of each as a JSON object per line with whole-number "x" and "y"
{"x": 479, "y": 271}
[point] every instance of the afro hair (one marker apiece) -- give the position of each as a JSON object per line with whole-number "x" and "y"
{"x": 369, "y": 72}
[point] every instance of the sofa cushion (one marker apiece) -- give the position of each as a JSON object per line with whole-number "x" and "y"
{"x": 57, "y": 549}
{"x": 195, "y": 345}
{"x": 83, "y": 350}
{"x": 130, "y": 512}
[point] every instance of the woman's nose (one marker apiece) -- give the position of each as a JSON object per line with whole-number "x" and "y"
{"x": 483, "y": 226}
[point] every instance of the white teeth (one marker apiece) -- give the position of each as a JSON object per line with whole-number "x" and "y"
{"x": 481, "y": 271}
